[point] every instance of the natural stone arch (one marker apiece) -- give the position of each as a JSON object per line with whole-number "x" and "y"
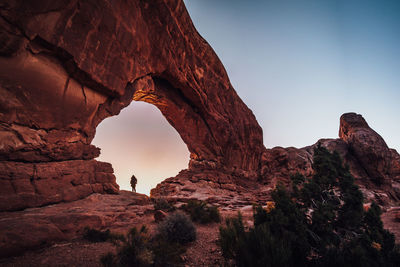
{"x": 67, "y": 65}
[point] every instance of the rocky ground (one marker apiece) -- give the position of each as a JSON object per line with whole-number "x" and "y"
{"x": 56, "y": 240}
{"x": 53, "y": 235}
{"x": 203, "y": 252}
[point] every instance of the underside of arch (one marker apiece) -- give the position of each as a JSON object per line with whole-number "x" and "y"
{"x": 67, "y": 65}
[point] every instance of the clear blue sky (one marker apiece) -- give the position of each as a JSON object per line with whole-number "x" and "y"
{"x": 297, "y": 64}
{"x": 300, "y": 64}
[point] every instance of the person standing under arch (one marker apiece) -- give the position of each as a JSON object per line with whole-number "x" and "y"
{"x": 133, "y": 183}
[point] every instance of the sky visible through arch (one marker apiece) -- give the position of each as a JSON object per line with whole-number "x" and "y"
{"x": 297, "y": 64}
{"x": 140, "y": 141}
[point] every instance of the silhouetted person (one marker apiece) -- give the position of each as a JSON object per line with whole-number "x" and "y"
{"x": 133, "y": 183}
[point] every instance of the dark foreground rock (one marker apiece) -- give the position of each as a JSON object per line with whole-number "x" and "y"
{"x": 37, "y": 227}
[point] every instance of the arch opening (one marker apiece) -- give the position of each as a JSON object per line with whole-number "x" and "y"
{"x": 140, "y": 141}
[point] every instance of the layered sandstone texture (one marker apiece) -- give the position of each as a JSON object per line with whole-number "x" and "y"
{"x": 67, "y": 65}
{"x": 374, "y": 165}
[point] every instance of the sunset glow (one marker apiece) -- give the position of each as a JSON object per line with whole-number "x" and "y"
{"x": 141, "y": 142}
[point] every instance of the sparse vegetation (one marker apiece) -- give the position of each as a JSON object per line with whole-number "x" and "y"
{"x": 95, "y": 236}
{"x": 202, "y": 212}
{"x": 108, "y": 260}
{"x": 178, "y": 228}
{"x": 167, "y": 253}
{"x": 135, "y": 250}
{"x": 163, "y": 249}
{"x": 162, "y": 204}
{"x": 319, "y": 222}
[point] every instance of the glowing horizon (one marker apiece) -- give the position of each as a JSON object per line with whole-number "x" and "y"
{"x": 140, "y": 141}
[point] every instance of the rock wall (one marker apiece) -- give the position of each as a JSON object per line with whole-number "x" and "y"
{"x": 374, "y": 166}
{"x": 67, "y": 65}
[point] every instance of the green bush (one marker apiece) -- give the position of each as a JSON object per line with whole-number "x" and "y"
{"x": 277, "y": 238}
{"x": 201, "y": 212}
{"x": 231, "y": 236}
{"x": 319, "y": 222}
{"x": 162, "y": 204}
{"x": 163, "y": 250}
{"x": 167, "y": 253}
{"x": 95, "y": 236}
{"x": 178, "y": 228}
{"x": 135, "y": 250}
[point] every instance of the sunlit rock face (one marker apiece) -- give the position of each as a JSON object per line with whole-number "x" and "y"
{"x": 67, "y": 65}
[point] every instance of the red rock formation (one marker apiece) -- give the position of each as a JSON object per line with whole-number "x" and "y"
{"x": 25, "y": 185}
{"x": 372, "y": 163}
{"x": 67, "y": 65}
{"x": 374, "y": 166}
{"x": 34, "y": 228}
{"x": 367, "y": 146}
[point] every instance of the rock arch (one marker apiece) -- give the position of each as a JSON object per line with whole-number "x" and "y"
{"x": 67, "y": 65}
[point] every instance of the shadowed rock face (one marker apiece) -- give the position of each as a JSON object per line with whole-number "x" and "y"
{"x": 371, "y": 162}
{"x": 361, "y": 148}
{"x": 67, "y": 65}
{"x": 367, "y": 146}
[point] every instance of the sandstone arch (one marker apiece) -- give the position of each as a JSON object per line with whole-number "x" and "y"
{"x": 67, "y": 65}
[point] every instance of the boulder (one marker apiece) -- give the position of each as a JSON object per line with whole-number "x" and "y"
{"x": 367, "y": 146}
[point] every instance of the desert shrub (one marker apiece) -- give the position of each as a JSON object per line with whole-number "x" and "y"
{"x": 95, "y": 236}
{"x": 231, "y": 236}
{"x": 134, "y": 250}
{"x": 141, "y": 250}
{"x": 202, "y": 212}
{"x": 319, "y": 222}
{"x": 162, "y": 204}
{"x": 108, "y": 260}
{"x": 278, "y": 237}
{"x": 167, "y": 253}
{"x": 177, "y": 227}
